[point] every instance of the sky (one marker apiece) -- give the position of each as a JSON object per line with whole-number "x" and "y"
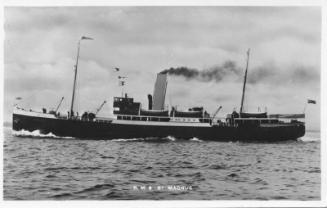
{"x": 284, "y": 66}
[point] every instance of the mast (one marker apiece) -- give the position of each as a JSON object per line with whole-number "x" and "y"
{"x": 121, "y": 83}
{"x": 75, "y": 74}
{"x": 244, "y": 83}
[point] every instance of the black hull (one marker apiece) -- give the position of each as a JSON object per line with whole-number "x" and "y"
{"x": 107, "y": 131}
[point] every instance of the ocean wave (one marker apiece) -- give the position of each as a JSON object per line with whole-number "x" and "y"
{"x": 62, "y": 195}
{"x": 170, "y": 138}
{"x": 96, "y": 188}
{"x": 128, "y": 140}
{"x": 71, "y": 168}
{"x": 147, "y": 139}
{"x": 309, "y": 139}
{"x": 37, "y": 134}
{"x": 217, "y": 167}
{"x": 155, "y": 139}
{"x": 196, "y": 139}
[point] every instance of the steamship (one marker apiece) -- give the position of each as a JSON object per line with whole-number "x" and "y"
{"x": 131, "y": 120}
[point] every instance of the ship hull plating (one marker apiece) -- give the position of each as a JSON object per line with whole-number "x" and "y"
{"x": 110, "y": 130}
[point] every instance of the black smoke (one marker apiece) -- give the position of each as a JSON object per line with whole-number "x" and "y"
{"x": 267, "y": 73}
{"x": 184, "y": 71}
{"x": 215, "y": 73}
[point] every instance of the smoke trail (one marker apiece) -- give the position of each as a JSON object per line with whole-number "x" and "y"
{"x": 182, "y": 71}
{"x": 267, "y": 73}
{"x": 215, "y": 73}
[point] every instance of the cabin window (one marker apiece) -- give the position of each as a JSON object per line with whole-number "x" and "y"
{"x": 154, "y": 119}
{"x": 126, "y": 117}
{"x": 135, "y": 118}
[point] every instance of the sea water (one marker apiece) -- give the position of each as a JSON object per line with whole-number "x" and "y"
{"x": 47, "y": 167}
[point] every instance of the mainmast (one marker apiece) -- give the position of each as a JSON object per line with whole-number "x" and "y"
{"x": 75, "y": 75}
{"x": 244, "y": 83}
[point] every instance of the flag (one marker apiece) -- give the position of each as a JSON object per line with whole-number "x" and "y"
{"x": 18, "y": 98}
{"x": 311, "y": 101}
{"x": 86, "y": 38}
{"x": 121, "y": 83}
{"x": 117, "y": 69}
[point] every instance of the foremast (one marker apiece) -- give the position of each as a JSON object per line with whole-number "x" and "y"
{"x": 75, "y": 75}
